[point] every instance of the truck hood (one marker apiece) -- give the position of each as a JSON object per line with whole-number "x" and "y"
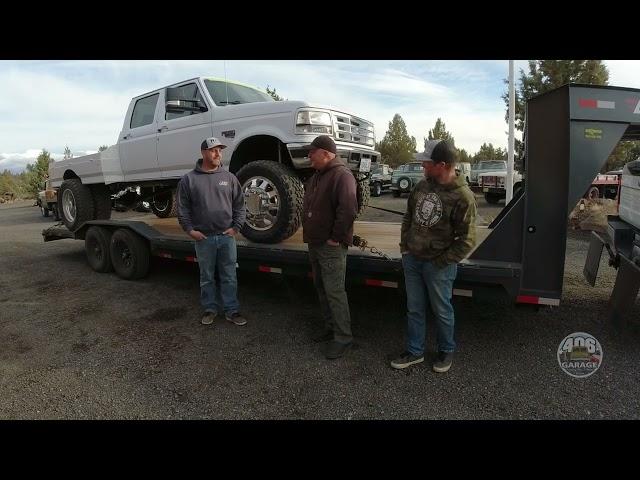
{"x": 262, "y": 108}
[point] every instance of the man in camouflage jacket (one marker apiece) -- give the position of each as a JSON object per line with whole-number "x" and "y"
{"x": 438, "y": 230}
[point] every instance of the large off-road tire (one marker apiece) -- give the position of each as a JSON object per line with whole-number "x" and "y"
{"x": 102, "y": 202}
{"x": 165, "y": 204}
{"x": 97, "y": 243}
{"x": 76, "y": 204}
{"x": 129, "y": 254}
{"x": 273, "y": 197}
{"x": 364, "y": 195}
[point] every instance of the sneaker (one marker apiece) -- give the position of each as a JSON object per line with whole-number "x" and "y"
{"x": 406, "y": 359}
{"x": 236, "y": 318}
{"x": 443, "y": 362}
{"x": 325, "y": 336}
{"x": 208, "y": 318}
{"x": 336, "y": 349}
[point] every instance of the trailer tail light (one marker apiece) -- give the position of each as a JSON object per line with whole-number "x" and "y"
{"x": 537, "y": 300}
{"x": 380, "y": 283}
{"x": 264, "y": 268}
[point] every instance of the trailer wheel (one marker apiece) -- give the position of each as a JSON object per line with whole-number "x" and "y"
{"x": 273, "y": 197}
{"x": 377, "y": 189}
{"x": 102, "y": 201}
{"x": 76, "y": 202}
{"x": 97, "y": 243}
{"x": 165, "y": 204}
{"x": 44, "y": 210}
{"x": 129, "y": 254}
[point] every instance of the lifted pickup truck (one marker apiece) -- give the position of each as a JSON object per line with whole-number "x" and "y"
{"x": 268, "y": 144}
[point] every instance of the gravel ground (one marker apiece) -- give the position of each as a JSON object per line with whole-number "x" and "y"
{"x": 76, "y": 344}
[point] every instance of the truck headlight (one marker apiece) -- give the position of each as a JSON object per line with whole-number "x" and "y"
{"x": 313, "y": 121}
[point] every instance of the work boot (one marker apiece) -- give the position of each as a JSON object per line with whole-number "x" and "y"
{"x": 336, "y": 349}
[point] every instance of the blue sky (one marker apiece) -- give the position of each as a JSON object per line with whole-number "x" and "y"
{"x": 50, "y": 104}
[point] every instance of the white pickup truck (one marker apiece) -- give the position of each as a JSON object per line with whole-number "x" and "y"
{"x": 493, "y": 184}
{"x": 268, "y": 144}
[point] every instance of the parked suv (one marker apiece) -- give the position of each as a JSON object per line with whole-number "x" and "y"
{"x": 405, "y": 177}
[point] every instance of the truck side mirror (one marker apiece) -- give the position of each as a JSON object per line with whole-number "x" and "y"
{"x": 175, "y": 103}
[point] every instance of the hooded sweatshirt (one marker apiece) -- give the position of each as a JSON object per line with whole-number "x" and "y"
{"x": 330, "y": 205}
{"x": 210, "y": 202}
{"x": 439, "y": 224}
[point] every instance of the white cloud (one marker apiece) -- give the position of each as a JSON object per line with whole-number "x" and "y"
{"x": 624, "y": 73}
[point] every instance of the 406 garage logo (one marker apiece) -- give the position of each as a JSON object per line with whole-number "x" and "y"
{"x": 580, "y": 354}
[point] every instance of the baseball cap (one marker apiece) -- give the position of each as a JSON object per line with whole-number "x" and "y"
{"x": 211, "y": 142}
{"x": 326, "y": 143}
{"x": 439, "y": 151}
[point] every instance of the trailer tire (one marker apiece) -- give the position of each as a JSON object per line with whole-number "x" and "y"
{"x": 97, "y": 245}
{"x": 76, "y": 202}
{"x": 377, "y": 189}
{"x": 44, "y": 210}
{"x": 129, "y": 254}
{"x": 102, "y": 202}
{"x": 165, "y": 204}
{"x": 274, "y": 190}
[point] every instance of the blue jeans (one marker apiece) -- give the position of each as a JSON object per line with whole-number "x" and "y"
{"x": 218, "y": 251}
{"x": 428, "y": 285}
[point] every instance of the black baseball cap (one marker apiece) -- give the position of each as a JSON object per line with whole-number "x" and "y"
{"x": 439, "y": 151}
{"x": 326, "y": 143}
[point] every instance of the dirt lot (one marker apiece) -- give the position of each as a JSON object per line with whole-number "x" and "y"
{"x": 76, "y": 344}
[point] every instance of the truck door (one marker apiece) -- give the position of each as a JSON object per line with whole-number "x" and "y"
{"x": 138, "y": 141}
{"x": 181, "y": 133}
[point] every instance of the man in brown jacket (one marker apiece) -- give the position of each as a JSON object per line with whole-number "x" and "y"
{"x": 330, "y": 208}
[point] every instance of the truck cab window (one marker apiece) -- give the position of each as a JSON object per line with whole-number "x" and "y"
{"x": 144, "y": 111}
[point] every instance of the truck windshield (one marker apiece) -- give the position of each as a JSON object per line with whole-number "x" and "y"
{"x": 233, "y": 94}
{"x": 493, "y": 165}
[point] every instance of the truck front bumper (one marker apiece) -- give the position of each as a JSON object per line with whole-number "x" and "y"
{"x": 495, "y": 190}
{"x": 351, "y": 155}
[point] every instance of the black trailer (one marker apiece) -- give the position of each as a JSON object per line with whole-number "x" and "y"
{"x": 569, "y": 134}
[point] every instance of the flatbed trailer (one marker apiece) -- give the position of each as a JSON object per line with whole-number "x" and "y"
{"x": 569, "y": 132}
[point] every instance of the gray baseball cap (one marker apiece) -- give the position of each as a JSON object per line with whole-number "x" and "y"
{"x": 211, "y": 142}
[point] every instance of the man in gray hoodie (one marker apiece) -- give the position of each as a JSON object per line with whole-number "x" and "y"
{"x": 211, "y": 210}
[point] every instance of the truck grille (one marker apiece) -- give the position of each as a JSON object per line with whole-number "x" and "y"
{"x": 489, "y": 181}
{"x": 353, "y": 129}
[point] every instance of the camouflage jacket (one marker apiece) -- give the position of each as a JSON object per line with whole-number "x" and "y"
{"x": 439, "y": 224}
